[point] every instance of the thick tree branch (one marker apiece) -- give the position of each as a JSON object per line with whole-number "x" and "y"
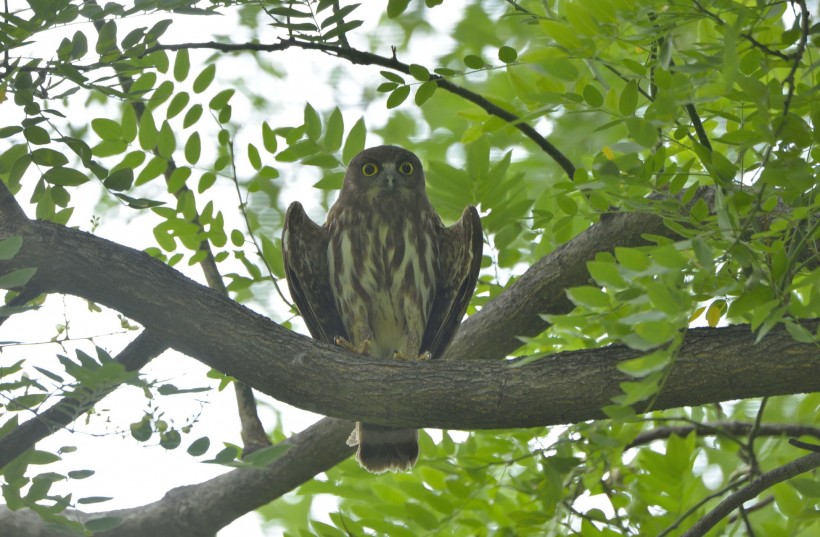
{"x": 541, "y": 289}
{"x": 765, "y": 481}
{"x": 453, "y": 394}
{"x": 134, "y": 357}
{"x": 201, "y": 510}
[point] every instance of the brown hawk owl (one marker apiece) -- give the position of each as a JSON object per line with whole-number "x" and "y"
{"x": 383, "y": 277}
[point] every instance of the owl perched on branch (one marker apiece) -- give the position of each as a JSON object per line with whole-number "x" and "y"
{"x": 383, "y": 277}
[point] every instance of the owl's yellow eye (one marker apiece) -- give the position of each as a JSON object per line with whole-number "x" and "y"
{"x": 369, "y": 169}
{"x": 406, "y": 168}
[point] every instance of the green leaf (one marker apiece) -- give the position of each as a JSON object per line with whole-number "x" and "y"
{"x": 204, "y": 79}
{"x": 419, "y": 72}
{"x": 199, "y": 446}
{"x": 265, "y": 456}
{"x": 592, "y": 96}
{"x": 106, "y": 129}
{"x": 9, "y": 247}
{"x": 45, "y": 156}
{"x": 253, "y": 157}
{"x": 107, "y": 37}
{"x": 632, "y": 259}
{"x": 473, "y": 62}
{"x": 147, "y": 131}
{"x": 192, "y": 115}
{"x": 425, "y": 91}
{"x": 342, "y": 29}
{"x": 334, "y": 131}
{"x": 36, "y": 135}
{"x": 193, "y": 148}
{"x": 398, "y": 96}
{"x": 177, "y": 104}
{"x": 355, "y": 141}
{"x": 166, "y": 142}
{"x": 80, "y": 474}
{"x": 65, "y": 176}
{"x": 269, "y": 138}
{"x": 507, "y": 54}
{"x": 93, "y": 499}
{"x": 588, "y": 296}
{"x": 5, "y": 132}
{"x": 182, "y": 65}
{"x": 121, "y": 179}
{"x": 170, "y": 439}
{"x": 644, "y": 365}
{"x": 313, "y": 123}
{"x": 221, "y": 99}
{"x": 628, "y": 102}
{"x": 396, "y": 7}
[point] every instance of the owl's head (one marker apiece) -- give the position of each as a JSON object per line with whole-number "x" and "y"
{"x": 384, "y": 170}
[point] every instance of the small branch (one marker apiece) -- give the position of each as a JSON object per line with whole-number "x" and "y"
{"x": 703, "y": 501}
{"x": 367, "y": 58}
{"x": 734, "y": 428}
{"x": 798, "y": 57}
{"x": 804, "y": 445}
{"x": 737, "y": 498}
{"x": 134, "y": 357}
{"x": 751, "y": 509}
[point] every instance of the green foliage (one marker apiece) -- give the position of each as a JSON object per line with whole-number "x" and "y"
{"x": 702, "y": 114}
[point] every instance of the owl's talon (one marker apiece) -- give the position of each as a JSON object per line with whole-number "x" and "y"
{"x": 423, "y": 357}
{"x": 361, "y": 348}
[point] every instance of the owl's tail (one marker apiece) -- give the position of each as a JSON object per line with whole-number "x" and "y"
{"x": 383, "y": 449}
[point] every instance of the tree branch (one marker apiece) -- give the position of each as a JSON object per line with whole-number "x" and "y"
{"x": 737, "y": 498}
{"x": 368, "y": 58}
{"x": 455, "y": 394}
{"x": 735, "y": 428}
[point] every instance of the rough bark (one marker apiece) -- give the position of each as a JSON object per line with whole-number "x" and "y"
{"x": 541, "y": 289}
{"x": 455, "y": 394}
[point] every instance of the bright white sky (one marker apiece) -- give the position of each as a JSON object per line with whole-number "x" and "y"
{"x": 134, "y": 474}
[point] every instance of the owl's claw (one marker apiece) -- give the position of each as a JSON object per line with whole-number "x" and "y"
{"x": 361, "y": 348}
{"x": 423, "y": 357}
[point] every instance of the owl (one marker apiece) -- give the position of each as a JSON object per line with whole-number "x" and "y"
{"x": 383, "y": 277}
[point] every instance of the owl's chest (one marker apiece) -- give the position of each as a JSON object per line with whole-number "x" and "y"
{"x": 382, "y": 253}
{"x": 382, "y": 273}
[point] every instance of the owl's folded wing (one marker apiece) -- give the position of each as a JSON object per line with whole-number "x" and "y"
{"x": 304, "y": 250}
{"x": 459, "y": 259}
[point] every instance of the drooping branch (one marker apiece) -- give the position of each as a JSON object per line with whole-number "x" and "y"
{"x": 455, "y": 394}
{"x": 133, "y": 358}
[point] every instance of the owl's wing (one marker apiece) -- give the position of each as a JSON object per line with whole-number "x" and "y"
{"x": 304, "y": 249}
{"x": 459, "y": 258}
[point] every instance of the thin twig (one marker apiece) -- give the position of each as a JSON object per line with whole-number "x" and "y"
{"x": 360, "y": 57}
{"x": 765, "y": 481}
{"x": 133, "y": 358}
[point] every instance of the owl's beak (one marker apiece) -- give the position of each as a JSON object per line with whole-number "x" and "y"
{"x": 391, "y": 177}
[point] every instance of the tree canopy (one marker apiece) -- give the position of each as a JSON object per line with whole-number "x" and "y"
{"x": 641, "y": 353}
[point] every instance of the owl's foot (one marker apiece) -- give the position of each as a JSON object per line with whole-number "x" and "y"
{"x": 361, "y": 348}
{"x": 423, "y": 357}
